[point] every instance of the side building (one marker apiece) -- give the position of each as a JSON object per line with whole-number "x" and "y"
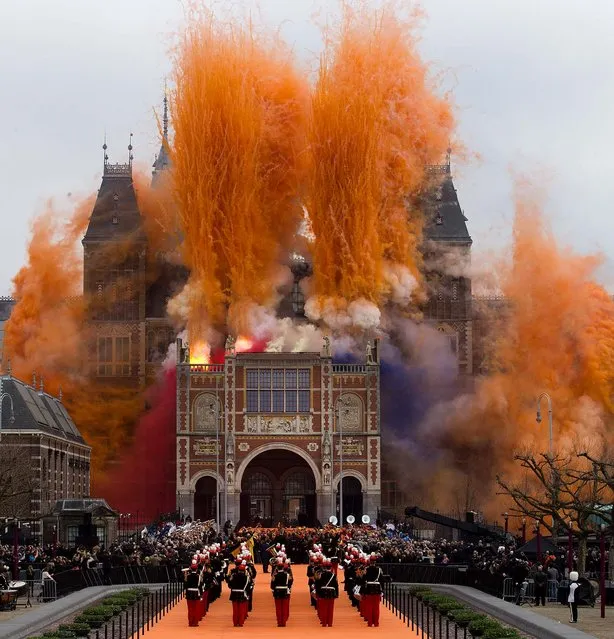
{"x": 6, "y": 306}
{"x": 43, "y": 457}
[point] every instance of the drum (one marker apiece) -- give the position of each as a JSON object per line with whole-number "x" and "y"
{"x": 20, "y": 586}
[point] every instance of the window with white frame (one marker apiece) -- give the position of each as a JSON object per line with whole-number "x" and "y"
{"x": 278, "y": 390}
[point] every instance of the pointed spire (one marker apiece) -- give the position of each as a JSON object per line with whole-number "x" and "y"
{"x": 60, "y": 393}
{"x": 165, "y": 114}
{"x": 42, "y": 385}
{"x": 448, "y": 156}
{"x": 34, "y": 379}
{"x": 130, "y": 156}
{"x": 105, "y": 157}
{"x": 8, "y": 368}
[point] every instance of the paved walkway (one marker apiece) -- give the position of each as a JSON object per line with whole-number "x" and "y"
{"x": 261, "y": 624}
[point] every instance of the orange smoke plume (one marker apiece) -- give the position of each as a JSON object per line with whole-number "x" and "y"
{"x": 557, "y": 337}
{"x": 44, "y": 331}
{"x": 376, "y": 124}
{"x": 238, "y": 113}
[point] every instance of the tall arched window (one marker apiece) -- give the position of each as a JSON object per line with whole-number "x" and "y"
{"x": 257, "y": 484}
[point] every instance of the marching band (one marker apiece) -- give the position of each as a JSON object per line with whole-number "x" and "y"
{"x": 211, "y": 567}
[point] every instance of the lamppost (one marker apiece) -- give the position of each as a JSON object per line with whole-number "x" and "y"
{"x": 16, "y": 549}
{"x": 341, "y": 403}
{"x": 570, "y": 546}
{"x": 539, "y": 540}
{"x": 506, "y": 518}
{"x": 538, "y": 417}
{"x": 524, "y": 531}
{"x": 214, "y": 409}
{"x": 602, "y": 569}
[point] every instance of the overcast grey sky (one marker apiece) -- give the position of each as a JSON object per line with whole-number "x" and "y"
{"x": 533, "y": 80}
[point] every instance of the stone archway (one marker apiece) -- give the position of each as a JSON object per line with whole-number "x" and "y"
{"x": 277, "y": 486}
{"x": 354, "y": 487}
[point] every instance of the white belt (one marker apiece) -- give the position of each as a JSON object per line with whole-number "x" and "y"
{"x": 193, "y": 589}
{"x": 372, "y": 583}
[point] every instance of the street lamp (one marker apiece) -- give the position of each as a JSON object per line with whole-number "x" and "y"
{"x": 538, "y": 417}
{"x": 524, "y": 531}
{"x": 602, "y": 569}
{"x": 570, "y": 546}
{"x": 341, "y": 403}
{"x": 214, "y": 409}
{"x": 506, "y": 518}
{"x": 539, "y": 540}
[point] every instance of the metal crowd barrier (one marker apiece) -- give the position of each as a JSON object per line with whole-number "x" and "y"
{"x": 527, "y": 591}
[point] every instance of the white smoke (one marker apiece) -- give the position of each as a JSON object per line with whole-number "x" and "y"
{"x": 401, "y": 282}
{"x": 340, "y": 317}
{"x": 178, "y": 307}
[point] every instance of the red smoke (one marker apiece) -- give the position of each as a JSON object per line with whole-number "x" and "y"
{"x": 144, "y": 480}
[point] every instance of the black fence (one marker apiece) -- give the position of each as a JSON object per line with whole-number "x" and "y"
{"x": 73, "y": 580}
{"x": 143, "y": 615}
{"x": 424, "y": 620}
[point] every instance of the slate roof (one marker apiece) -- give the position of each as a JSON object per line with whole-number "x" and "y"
{"x": 36, "y": 411}
{"x": 447, "y": 222}
{"x": 6, "y": 306}
{"x": 94, "y": 506}
{"x": 161, "y": 163}
{"x": 116, "y": 213}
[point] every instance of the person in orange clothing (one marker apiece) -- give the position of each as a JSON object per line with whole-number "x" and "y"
{"x": 281, "y": 585}
{"x": 327, "y": 590}
{"x": 193, "y": 594}
{"x": 372, "y": 592}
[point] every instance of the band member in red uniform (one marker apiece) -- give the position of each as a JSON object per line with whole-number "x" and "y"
{"x": 238, "y": 582}
{"x": 372, "y": 592}
{"x": 193, "y": 594}
{"x": 327, "y": 590}
{"x": 281, "y": 584}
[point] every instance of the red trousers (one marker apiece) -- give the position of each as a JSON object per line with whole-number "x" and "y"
{"x": 204, "y": 603}
{"x": 239, "y": 612}
{"x": 193, "y": 612}
{"x": 282, "y": 610}
{"x": 370, "y": 609}
{"x": 326, "y": 608}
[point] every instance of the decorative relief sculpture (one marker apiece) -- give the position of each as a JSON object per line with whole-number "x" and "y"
{"x": 296, "y": 425}
{"x": 230, "y": 474}
{"x": 243, "y": 447}
{"x": 350, "y": 413}
{"x": 206, "y": 412}
{"x": 312, "y": 447}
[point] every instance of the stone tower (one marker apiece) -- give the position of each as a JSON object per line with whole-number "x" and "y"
{"x": 114, "y": 283}
{"x": 447, "y": 256}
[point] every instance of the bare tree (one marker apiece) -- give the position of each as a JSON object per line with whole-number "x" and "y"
{"x": 558, "y": 491}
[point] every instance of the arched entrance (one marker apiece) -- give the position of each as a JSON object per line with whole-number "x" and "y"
{"x": 204, "y": 499}
{"x": 278, "y": 486}
{"x": 352, "y": 498}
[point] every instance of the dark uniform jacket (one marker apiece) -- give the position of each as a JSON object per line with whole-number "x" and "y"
{"x": 192, "y": 586}
{"x": 372, "y": 581}
{"x": 327, "y": 586}
{"x": 281, "y": 584}
{"x": 238, "y": 582}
